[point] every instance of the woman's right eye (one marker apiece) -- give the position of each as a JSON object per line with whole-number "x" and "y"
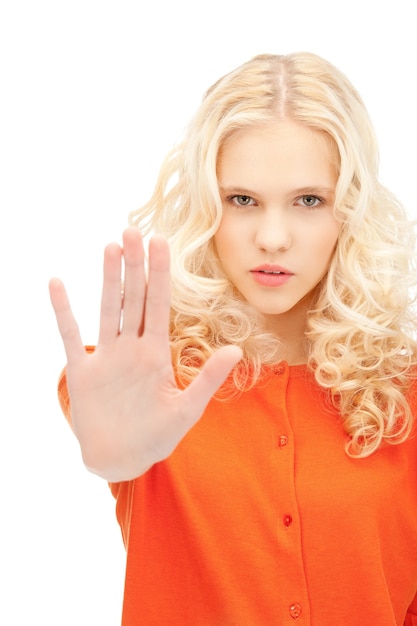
{"x": 242, "y": 200}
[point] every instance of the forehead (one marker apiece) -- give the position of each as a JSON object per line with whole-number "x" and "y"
{"x": 281, "y": 149}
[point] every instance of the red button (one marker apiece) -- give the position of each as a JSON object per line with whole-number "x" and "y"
{"x": 295, "y": 611}
{"x": 287, "y": 519}
{"x": 282, "y": 441}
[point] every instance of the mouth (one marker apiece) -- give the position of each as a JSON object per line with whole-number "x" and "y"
{"x": 271, "y": 275}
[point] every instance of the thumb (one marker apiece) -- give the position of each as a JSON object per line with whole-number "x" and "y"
{"x": 211, "y": 377}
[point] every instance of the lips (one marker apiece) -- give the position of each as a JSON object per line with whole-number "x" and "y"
{"x": 271, "y": 269}
{"x": 271, "y": 275}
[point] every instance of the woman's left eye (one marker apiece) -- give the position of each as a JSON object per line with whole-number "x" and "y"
{"x": 310, "y": 201}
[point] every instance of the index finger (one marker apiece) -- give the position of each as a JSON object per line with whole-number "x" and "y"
{"x": 67, "y": 324}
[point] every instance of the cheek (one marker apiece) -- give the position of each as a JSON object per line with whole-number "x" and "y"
{"x": 319, "y": 246}
{"x": 220, "y": 240}
{"x": 326, "y": 235}
{"x": 225, "y": 238}
{"x": 328, "y": 244}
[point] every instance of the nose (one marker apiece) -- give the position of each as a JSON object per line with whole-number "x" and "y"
{"x": 273, "y": 231}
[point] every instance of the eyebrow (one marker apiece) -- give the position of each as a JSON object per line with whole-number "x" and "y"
{"x": 311, "y": 189}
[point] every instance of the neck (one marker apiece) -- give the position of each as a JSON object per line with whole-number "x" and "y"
{"x": 289, "y": 328}
{"x": 295, "y": 351}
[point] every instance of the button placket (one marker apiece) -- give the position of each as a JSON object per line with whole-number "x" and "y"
{"x": 293, "y": 590}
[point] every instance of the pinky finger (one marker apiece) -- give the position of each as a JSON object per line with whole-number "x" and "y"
{"x": 67, "y": 324}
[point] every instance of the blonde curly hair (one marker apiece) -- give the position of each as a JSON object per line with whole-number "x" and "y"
{"x": 360, "y": 334}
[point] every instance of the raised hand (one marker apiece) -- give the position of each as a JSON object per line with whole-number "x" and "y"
{"x": 127, "y": 411}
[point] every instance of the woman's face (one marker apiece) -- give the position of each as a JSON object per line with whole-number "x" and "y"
{"x": 278, "y": 230}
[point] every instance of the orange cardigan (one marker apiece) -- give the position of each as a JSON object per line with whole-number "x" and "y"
{"x": 259, "y": 518}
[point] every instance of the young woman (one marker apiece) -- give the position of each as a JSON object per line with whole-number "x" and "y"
{"x": 253, "y": 408}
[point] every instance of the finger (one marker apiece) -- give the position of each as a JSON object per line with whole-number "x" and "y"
{"x": 157, "y": 306}
{"x": 67, "y": 324}
{"x": 212, "y": 376}
{"x": 134, "y": 281}
{"x": 111, "y": 296}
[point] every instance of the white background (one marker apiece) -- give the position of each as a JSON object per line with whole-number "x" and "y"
{"x": 93, "y": 94}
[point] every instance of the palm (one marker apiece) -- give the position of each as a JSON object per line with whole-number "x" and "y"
{"x": 127, "y": 410}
